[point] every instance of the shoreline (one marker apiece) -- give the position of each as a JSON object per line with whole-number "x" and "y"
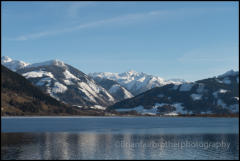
{"x": 120, "y": 116}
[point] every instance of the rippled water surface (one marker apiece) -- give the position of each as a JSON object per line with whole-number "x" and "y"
{"x": 119, "y": 138}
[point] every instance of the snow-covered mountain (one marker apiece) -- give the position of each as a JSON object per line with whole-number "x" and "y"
{"x": 67, "y": 84}
{"x": 217, "y": 95}
{"x": 115, "y": 89}
{"x": 136, "y": 82}
{"x": 13, "y": 65}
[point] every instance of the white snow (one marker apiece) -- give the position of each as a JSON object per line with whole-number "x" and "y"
{"x": 116, "y": 87}
{"x": 78, "y": 106}
{"x": 68, "y": 82}
{"x": 127, "y": 94}
{"x": 237, "y": 98}
{"x": 98, "y": 107}
{"x": 52, "y": 95}
{"x": 92, "y": 90}
{"x": 47, "y": 63}
{"x": 223, "y": 91}
{"x": 171, "y": 114}
{"x": 5, "y": 59}
{"x": 154, "y": 110}
{"x": 59, "y": 88}
{"x": 196, "y": 96}
{"x": 13, "y": 65}
{"x": 186, "y": 87}
{"x": 69, "y": 75}
{"x": 87, "y": 91}
{"x": 159, "y": 105}
{"x": 215, "y": 94}
{"x": 42, "y": 81}
{"x": 136, "y": 82}
{"x": 176, "y": 81}
{"x": 179, "y": 108}
{"x": 34, "y": 74}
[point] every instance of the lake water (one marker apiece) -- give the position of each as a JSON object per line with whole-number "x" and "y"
{"x": 119, "y": 138}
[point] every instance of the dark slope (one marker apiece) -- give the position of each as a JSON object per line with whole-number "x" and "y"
{"x": 20, "y": 97}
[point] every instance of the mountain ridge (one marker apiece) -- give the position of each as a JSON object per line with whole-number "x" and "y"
{"x": 136, "y": 82}
{"x": 129, "y": 90}
{"x": 66, "y": 83}
{"x": 216, "y": 95}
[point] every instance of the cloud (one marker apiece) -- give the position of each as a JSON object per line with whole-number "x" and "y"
{"x": 114, "y": 20}
{"x": 122, "y": 19}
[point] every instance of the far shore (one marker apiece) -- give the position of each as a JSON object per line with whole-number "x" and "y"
{"x": 136, "y": 116}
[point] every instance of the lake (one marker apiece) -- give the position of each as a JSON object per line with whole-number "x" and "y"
{"x": 119, "y": 138}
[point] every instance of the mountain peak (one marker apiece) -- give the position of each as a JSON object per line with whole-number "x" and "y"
{"x": 132, "y": 72}
{"x": 55, "y": 62}
{"x": 11, "y": 64}
{"x": 6, "y": 59}
{"x": 229, "y": 73}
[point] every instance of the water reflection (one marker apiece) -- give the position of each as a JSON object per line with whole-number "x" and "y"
{"x": 118, "y": 146}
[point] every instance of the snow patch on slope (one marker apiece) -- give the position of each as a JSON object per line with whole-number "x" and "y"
{"x": 196, "y": 96}
{"x": 43, "y": 81}
{"x": 136, "y": 82}
{"x": 48, "y": 63}
{"x": 13, "y": 65}
{"x": 69, "y": 75}
{"x": 98, "y": 107}
{"x": 59, "y": 88}
{"x": 34, "y": 74}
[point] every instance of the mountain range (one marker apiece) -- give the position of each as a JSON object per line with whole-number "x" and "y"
{"x": 20, "y": 97}
{"x": 217, "y": 95}
{"x": 130, "y": 91}
{"x": 136, "y": 82}
{"x": 67, "y": 84}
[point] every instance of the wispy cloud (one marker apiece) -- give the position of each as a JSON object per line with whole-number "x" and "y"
{"x": 114, "y": 20}
{"x": 122, "y": 19}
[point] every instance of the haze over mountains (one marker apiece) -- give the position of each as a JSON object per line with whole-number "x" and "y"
{"x": 131, "y": 91}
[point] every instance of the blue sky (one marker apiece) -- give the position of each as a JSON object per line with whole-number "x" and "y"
{"x": 189, "y": 40}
